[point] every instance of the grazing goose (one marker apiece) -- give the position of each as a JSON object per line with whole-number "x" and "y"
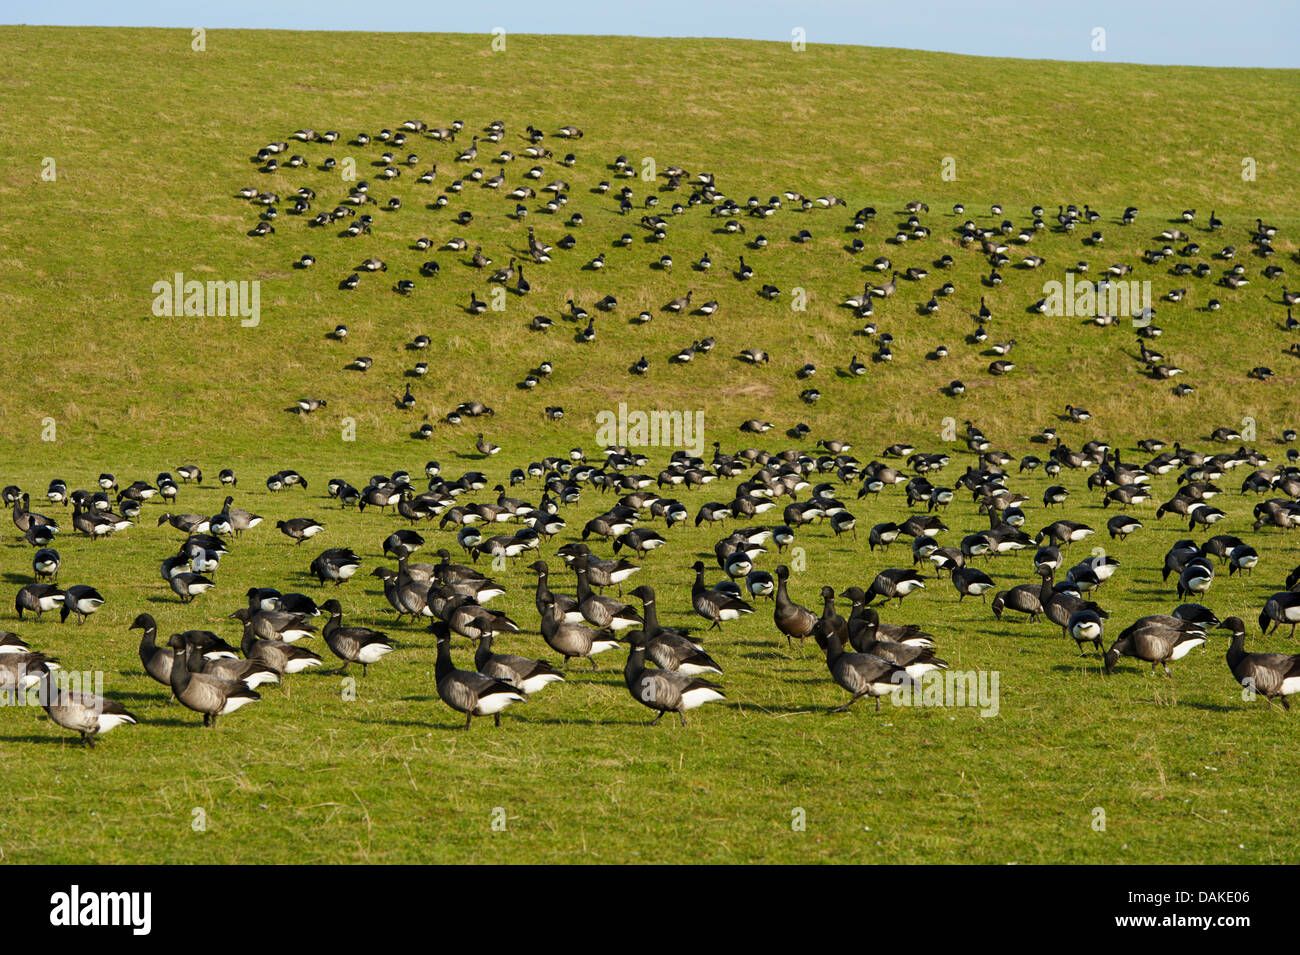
{"x": 300, "y": 528}
{"x": 1023, "y": 599}
{"x": 188, "y": 585}
{"x": 1281, "y": 609}
{"x": 467, "y": 691}
{"x": 668, "y": 691}
{"x": 38, "y": 599}
{"x": 1274, "y": 675}
{"x": 968, "y": 581}
{"x": 895, "y": 583}
{"x": 337, "y": 564}
{"x": 83, "y": 713}
{"x": 1086, "y": 625}
{"x": 81, "y": 601}
{"x": 353, "y": 644}
{"x": 205, "y": 693}
{"x": 45, "y": 564}
{"x": 1157, "y": 640}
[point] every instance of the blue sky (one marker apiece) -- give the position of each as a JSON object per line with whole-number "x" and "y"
{"x": 1262, "y": 33}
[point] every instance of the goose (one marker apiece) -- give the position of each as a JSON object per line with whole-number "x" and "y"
{"x": 714, "y": 605}
{"x": 1281, "y": 609}
{"x": 526, "y": 675}
{"x": 573, "y": 639}
{"x": 1023, "y": 599}
{"x": 862, "y": 674}
{"x": 485, "y": 448}
{"x": 1158, "y": 640}
{"x": 80, "y": 600}
{"x": 273, "y": 624}
{"x": 38, "y": 599}
{"x": 46, "y": 563}
{"x": 864, "y": 635}
{"x": 665, "y": 690}
{"x": 894, "y": 584}
{"x": 206, "y": 693}
{"x": 20, "y": 670}
{"x": 1275, "y": 675}
{"x": 83, "y": 713}
{"x": 157, "y": 661}
{"x": 337, "y": 564}
{"x": 669, "y": 649}
{"x": 252, "y": 673}
{"x": 969, "y": 582}
{"x": 353, "y": 644}
{"x": 602, "y": 612}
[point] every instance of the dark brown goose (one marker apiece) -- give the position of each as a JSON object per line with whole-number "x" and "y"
{"x": 466, "y": 691}
{"x": 573, "y": 639}
{"x": 353, "y": 644}
{"x": 212, "y": 696}
{"x": 83, "y": 713}
{"x": 668, "y": 691}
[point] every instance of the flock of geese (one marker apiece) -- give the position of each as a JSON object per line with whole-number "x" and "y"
{"x": 670, "y": 669}
{"x": 537, "y": 189}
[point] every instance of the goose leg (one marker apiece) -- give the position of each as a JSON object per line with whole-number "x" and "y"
{"x": 496, "y": 719}
{"x": 682, "y": 714}
{"x": 468, "y": 717}
{"x": 657, "y": 718}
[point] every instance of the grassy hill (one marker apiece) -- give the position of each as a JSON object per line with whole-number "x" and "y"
{"x": 151, "y": 141}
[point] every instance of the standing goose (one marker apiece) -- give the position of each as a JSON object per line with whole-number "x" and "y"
{"x": 573, "y": 639}
{"x": 668, "y": 691}
{"x": 864, "y": 637}
{"x": 280, "y": 656}
{"x": 466, "y": 691}
{"x": 252, "y": 673}
{"x": 83, "y": 713}
{"x": 204, "y": 693}
{"x": 604, "y": 613}
{"x": 1274, "y": 675}
{"x": 567, "y": 605}
{"x": 862, "y": 674}
{"x": 353, "y": 644}
{"x": 713, "y": 605}
{"x": 157, "y": 660}
{"x": 669, "y": 649}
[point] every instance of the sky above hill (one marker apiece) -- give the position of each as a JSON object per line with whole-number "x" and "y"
{"x": 1195, "y": 33}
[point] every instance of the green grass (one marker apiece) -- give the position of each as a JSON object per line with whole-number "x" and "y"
{"x": 151, "y": 142}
